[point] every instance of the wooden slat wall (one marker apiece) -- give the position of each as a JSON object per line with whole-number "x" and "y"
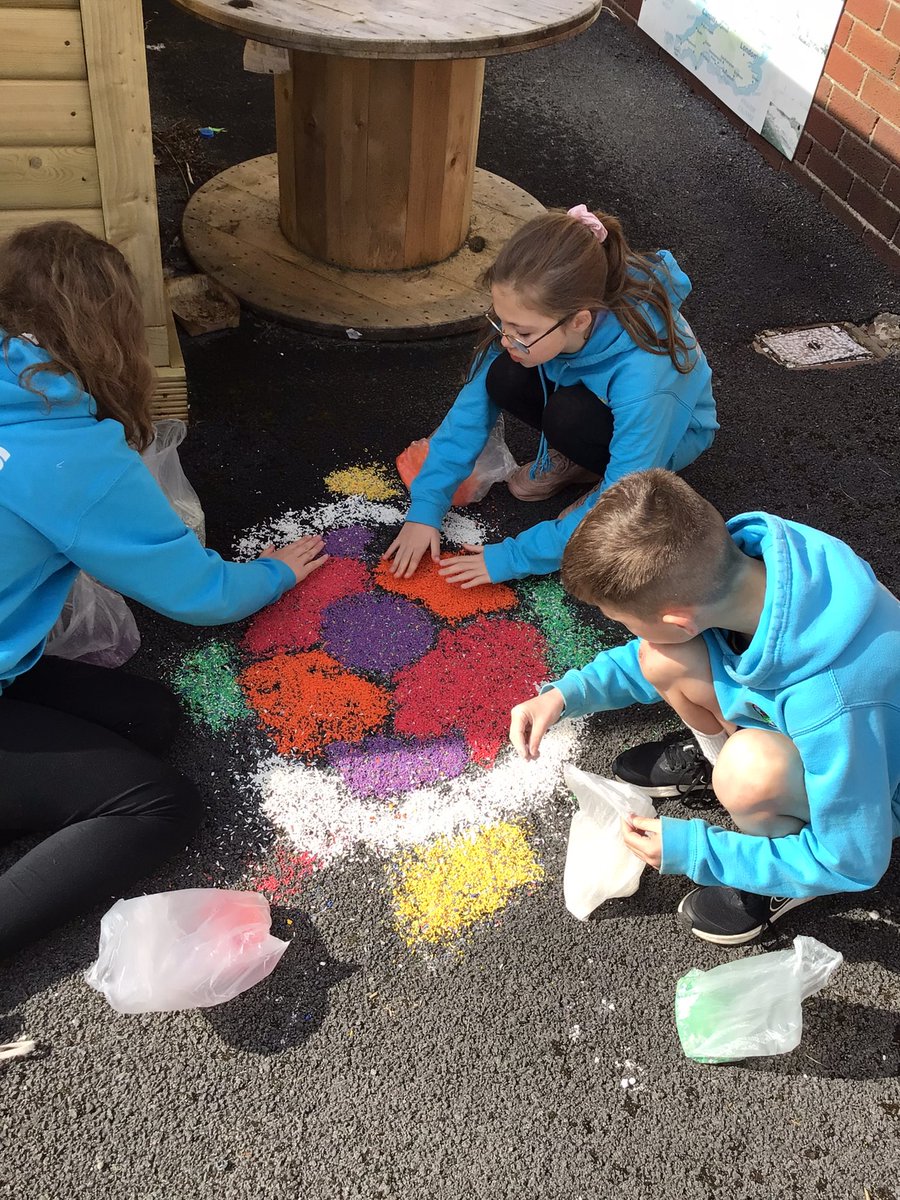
{"x": 41, "y": 45}
{"x": 75, "y": 141}
{"x": 31, "y": 174}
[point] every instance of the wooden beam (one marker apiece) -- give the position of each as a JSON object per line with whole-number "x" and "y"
{"x": 42, "y": 44}
{"x": 117, "y": 77}
{"x": 12, "y": 219}
{"x": 49, "y": 177}
{"x": 45, "y": 112}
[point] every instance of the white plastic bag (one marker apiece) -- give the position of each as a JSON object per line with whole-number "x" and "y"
{"x": 162, "y": 461}
{"x": 494, "y": 464}
{"x": 751, "y": 1007}
{"x": 95, "y": 626}
{"x": 599, "y": 866}
{"x": 186, "y": 949}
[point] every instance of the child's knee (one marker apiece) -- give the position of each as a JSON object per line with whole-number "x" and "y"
{"x": 666, "y": 665}
{"x": 758, "y": 769}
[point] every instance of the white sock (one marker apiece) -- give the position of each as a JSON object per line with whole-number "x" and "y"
{"x": 710, "y": 744}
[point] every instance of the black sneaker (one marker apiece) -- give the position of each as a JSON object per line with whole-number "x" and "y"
{"x": 729, "y": 917}
{"x": 675, "y": 766}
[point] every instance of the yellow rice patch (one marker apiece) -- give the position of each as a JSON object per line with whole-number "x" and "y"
{"x": 372, "y": 481}
{"x": 446, "y": 887}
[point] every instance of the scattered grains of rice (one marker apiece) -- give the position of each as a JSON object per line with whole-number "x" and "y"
{"x": 306, "y": 701}
{"x": 447, "y": 600}
{"x": 207, "y": 682}
{"x": 371, "y": 480}
{"x": 448, "y": 886}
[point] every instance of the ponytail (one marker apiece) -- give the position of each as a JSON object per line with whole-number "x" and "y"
{"x": 561, "y": 263}
{"x": 632, "y": 284}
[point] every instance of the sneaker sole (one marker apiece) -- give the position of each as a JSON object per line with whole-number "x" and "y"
{"x": 528, "y": 495}
{"x": 655, "y": 793}
{"x": 734, "y": 939}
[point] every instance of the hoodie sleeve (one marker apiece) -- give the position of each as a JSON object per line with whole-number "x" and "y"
{"x": 132, "y": 540}
{"x": 845, "y": 847}
{"x": 613, "y": 680}
{"x": 645, "y": 428}
{"x": 453, "y": 449}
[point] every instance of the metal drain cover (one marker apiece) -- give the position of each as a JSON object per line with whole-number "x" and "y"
{"x": 835, "y": 345}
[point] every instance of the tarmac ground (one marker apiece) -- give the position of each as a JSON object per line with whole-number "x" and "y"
{"x": 538, "y": 1056}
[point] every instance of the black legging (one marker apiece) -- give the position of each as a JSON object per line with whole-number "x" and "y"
{"x": 574, "y": 421}
{"x": 78, "y": 761}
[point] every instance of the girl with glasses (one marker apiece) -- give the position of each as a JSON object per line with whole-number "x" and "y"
{"x": 587, "y": 345}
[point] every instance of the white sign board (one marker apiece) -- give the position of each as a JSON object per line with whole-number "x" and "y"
{"x": 763, "y": 58}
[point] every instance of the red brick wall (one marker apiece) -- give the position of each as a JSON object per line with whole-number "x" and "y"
{"x": 849, "y": 152}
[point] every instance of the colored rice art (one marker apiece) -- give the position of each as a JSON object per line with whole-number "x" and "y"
{"x": 385, "y": 704}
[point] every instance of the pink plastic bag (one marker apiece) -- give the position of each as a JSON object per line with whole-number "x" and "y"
{"x": 187, "y": 949}
{"x": 493, "y": 464}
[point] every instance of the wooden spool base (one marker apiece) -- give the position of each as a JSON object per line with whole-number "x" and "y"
{"x": 231, "y": 232}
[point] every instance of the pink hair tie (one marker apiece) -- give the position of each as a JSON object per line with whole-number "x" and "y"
{"x": 582, "y": 213}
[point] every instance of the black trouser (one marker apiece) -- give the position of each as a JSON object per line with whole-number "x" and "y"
{"x": 78, "y": 761}
{"x": 574, "y": 420}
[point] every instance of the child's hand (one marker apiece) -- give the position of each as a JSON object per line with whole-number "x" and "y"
{"x": 643, "y": 837}
{"x": 468, "y": 569}
{"x": 303, "y": 556}
{"x": 409, "y": 545}
{"x": 531, "y": 720}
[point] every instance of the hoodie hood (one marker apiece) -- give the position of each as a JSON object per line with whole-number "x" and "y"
{"x": 62, "y": 398}
{"x": 609, "y": 337}
{"x": 819, "y": 595}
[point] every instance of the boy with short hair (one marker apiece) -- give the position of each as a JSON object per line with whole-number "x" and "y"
{"x": 780, "y": 650}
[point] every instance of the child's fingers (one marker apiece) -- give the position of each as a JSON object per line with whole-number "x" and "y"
{"x": 538, "y": 729}
{"x": 411, "y": 565}
{"x": 518, "y": 729}
{"x": 644, "y": 824}
{"x": 316, "y": 563}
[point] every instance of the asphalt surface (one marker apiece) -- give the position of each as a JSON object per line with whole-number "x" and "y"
{"x": 361, "y": 1069}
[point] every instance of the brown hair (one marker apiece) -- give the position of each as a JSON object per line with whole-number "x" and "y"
{"x": 558, "y": 266}
{"x": 77, "y": 297}
{"x": 649, "y": 544}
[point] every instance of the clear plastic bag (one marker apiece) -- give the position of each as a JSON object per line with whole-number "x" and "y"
{"x": 494, "y": 464}
{"x": 162, "y": 461}
{"x": 598, "y": 863}
{"x": 95, "y": 626}
{"x": 751, "y": 1007}
{"x": 186, "y": 949}
{"x": 599, "y": 866}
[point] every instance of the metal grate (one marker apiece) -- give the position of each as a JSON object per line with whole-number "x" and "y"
{"x": 811, "y": 346}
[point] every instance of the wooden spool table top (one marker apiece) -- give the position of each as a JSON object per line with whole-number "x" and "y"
{"x": 400, "y": 29}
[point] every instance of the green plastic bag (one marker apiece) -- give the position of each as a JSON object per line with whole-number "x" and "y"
{"x": 751, "y": 1007}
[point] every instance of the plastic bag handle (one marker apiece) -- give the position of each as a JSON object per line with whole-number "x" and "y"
{"x": 814, "y": 964}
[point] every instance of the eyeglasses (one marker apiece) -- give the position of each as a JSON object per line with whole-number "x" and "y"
{"x": 516, "y": 343}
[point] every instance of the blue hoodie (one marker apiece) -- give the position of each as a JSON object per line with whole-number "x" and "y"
{"x": 824, "y": 668}
{"x": 74, "y": 495}
{"x": 661, "y": 418}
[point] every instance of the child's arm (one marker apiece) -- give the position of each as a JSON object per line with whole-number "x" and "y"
{"x": 643, "y": 433}
{"x": 613, "y": 680}
{"x": 132, "y": 540}
{"x": 452, "y": 452}
{"x": 845, "y": 847}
